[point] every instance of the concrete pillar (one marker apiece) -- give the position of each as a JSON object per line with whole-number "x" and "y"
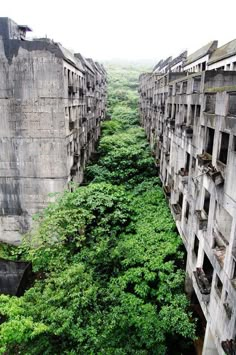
{"x": 209, "y": 347}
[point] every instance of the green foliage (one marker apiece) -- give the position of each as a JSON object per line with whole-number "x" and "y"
{"x": 108, "y": 261}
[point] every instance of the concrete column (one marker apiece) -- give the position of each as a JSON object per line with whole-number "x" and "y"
{"x": 209, "y": 347}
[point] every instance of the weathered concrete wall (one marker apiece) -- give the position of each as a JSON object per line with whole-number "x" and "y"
{"x": 193, "y": 134}
{"x": 51, "y": 107}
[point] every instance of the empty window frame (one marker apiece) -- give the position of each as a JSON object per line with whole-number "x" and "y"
{"x": 192, "y": 112}
{"x": 219, "y": 285}
{"x": 206, "y": 205}
{"x": 210, "y": 140}
{"x": 198, "y": 110}
{"x": 185, "y": 113}
{"x": 174, "y": 112}
{"x": 223, "y": 221}
{"x": 196, "y": 246}
{"x": 184, "y": 87}
{"x": 196, "y": 85}
{"x": 234, "y": 269}
{"x": 177, "y": 88}
{"x": 187, "y": 211}
{"x": 224, "y": 145}
{"x": 187, "y": 162}
{"x": 180, "y": 201}
{"x": 207, "y": 268}
{"x": 210, "y": 103}
{"x": 203, "y": 66}
{"x": 234, "y": 144}
{"x": 232, "y": 104}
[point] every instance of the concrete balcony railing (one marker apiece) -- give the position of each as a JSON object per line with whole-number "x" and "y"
{"x": 202, "y": 219}
{"x": 167, "y": 191}
{"x": 219, "y": 252}
{"x": 215, "y": 175}
{"x": 204, "y": 159}
{"x": 177, "y": 211}
{"x": 203, "y": 284}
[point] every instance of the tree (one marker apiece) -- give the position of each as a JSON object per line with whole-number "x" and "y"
{"x": 108, "y": 262}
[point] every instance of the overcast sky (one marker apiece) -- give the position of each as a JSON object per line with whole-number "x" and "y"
{"x": 127, "y": 29}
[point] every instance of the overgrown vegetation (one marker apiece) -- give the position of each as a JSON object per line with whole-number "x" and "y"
{"x": 108, "y": 260}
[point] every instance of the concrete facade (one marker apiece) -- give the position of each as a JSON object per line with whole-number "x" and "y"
{"x": 190, "y": 120}
{"x": 51, "y": 105}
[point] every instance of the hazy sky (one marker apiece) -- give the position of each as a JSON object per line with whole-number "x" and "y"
{"x": 127, "y": 29}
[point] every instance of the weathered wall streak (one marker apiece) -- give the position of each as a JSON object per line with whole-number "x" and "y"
{"x": 51, "y": 107}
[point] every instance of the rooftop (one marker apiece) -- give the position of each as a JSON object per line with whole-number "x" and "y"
{"x": 227, "y": 50}
{"x": 201, "y": 52}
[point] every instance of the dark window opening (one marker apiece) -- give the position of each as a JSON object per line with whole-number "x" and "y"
{"x": 196, "y": 246}
{"x": 207, "y": 268}
{"x": 234, "y": 268}
{"x": 206, "y": 204}
{"x": 187, "y": 210}
{"x": 219, "y": 285}
{"x": 184, "y": 89}
{"x": 210, "y": 140}
{"x": 185, "y": 113}
{"x": 174, "y": 112}
{"x": 180, "y": 201}
{"x": 170, "y": 110}
{"x": 210, "y": 103}
{"x": 196, "y": 85}
{"x": 234, "y": 144}
{"x": 198, "y": 110}
{"x": 232, "y": 104}
{"x": 223, "y": 156}
{"x": 71, "y": 125}
{"x": 177, "y": 88}
{"x": 192, "y": 111}
{"x": 203, "y": 66}
{"x": 187, "y": 164}
{"x": 69, "y": 108}
{"x": 82, "y": 156}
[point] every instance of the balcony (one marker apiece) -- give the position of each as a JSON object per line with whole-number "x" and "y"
{"x": 167, "y": 191}
{"x": 204, "y": 159}
{"x": 219, "y": 252}
{"x": 203, "y": 283}
{"x": 229, "y": 346}
{"x": 215, "y": 175}
{"x": 202, "y": 219}
{"x": 177, "y": 211}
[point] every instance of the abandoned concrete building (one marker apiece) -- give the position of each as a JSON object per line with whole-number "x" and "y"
{"x": 52, "y": 103}
{"x": 190, "y": 119}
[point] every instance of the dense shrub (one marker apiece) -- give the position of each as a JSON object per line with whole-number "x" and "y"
{"x": 108, "y": 261}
